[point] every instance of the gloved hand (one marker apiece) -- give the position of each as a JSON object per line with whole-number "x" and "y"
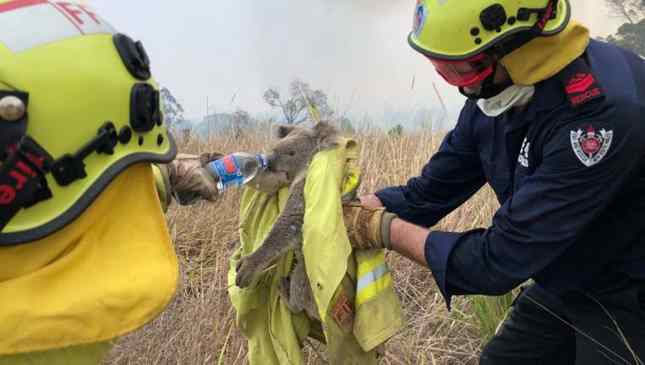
{"x": 368, "y": 227}
{"x": 188, "y": 180}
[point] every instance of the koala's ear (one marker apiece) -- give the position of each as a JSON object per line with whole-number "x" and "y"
{"x": 282, "y": 130}
{"x": 326, "y": 134}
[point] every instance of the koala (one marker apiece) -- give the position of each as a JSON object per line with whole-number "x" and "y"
{"x": 288, "y": 162}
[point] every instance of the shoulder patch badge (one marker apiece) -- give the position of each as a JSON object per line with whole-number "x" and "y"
{"x": 590, "y": 146}
{"x": 581, "y": 88}
{"x": 580, "y": 84}
{"x": 343, "y": 312}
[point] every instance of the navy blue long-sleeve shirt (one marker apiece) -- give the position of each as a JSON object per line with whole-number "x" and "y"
{"x": 568, "y": 171}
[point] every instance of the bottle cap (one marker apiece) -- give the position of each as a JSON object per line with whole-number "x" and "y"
{"x": 262, "y": 158}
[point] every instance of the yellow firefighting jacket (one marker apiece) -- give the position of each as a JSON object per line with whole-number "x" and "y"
{"x": 353, "y": 291}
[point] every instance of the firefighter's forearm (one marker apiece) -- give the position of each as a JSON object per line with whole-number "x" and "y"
{"x": 409, "y": 240}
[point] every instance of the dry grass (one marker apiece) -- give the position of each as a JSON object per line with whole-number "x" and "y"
{"x": 198, "y": 327}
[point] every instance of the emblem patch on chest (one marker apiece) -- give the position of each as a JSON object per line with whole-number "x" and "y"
{"x": 590, "y": 146}
{"x": 523, "y": 158}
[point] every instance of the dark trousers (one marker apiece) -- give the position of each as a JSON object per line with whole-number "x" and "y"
{"x": 580, "y": 329}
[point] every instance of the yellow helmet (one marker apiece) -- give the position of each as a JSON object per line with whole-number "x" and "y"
{"x": 77, "y": 107}
{"x": 458, "y": 30}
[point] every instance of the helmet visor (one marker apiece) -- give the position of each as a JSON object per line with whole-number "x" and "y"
{"x": 465, "y": 73}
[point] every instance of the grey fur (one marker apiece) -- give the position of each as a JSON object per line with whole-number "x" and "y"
{"x": 289, "y": 158}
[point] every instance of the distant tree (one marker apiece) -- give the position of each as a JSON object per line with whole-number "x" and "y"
{"x": 396, "y": 131}
{"x": 346, "y": 125}
{"x": 186, "y": 135}
{"x": 241, "y": 121}
{"x": 172, "y": 109}
{"x": 294, "y": 108}
{"x": 630, "y": 35}
{"x": 631, "y": 10}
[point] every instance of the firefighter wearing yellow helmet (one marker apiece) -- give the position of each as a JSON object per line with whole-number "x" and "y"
{"x": 553, "y": 122}
{"x": 84, "y": 249}
{"x": 465, "y": 42}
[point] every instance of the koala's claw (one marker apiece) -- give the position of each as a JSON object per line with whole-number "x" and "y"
{"x": 246, "y": 272}
{"x": 349, "y": 197}
{"x": 285, "y": 284}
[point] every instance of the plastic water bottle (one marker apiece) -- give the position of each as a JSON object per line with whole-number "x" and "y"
{"x": 236, "y": 169}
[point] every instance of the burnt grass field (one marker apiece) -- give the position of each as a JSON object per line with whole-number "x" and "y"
{"x": 198, "y": 326}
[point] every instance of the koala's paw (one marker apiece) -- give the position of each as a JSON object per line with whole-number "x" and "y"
{"x": 284, "y": 288}
{"x": 247, "y": 271}
{"x": 380, "y": 351}
{"x": 285, "y": 294}
{"x": 349, "y": 197}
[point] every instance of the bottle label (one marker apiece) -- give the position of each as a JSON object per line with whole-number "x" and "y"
{"x": 229, "y": 165}
{"x": 228, "y": 170}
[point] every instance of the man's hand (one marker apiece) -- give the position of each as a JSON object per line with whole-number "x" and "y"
{"x": 368, "y": 224}
{"x": 371, "y": 201}
{"x": 189, "y": 180}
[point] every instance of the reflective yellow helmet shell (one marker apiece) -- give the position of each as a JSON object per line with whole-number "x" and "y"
{"x": 455, "y": 30}
{"x": 64, "y": 56}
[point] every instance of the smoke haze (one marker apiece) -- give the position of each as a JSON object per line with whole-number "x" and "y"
{"x": 229, "y": 52}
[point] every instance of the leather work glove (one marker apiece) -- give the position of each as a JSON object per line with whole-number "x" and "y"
{"x": 187, "y": 179}
{"x": 367, "y": 228}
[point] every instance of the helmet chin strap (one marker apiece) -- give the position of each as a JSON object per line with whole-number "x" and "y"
{"x": 488, "y": 88}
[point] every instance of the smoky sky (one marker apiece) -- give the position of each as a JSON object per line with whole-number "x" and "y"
{"x": 229, "y": 52}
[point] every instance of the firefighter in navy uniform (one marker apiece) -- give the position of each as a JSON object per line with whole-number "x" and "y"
{"x": 555, "y": 123}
